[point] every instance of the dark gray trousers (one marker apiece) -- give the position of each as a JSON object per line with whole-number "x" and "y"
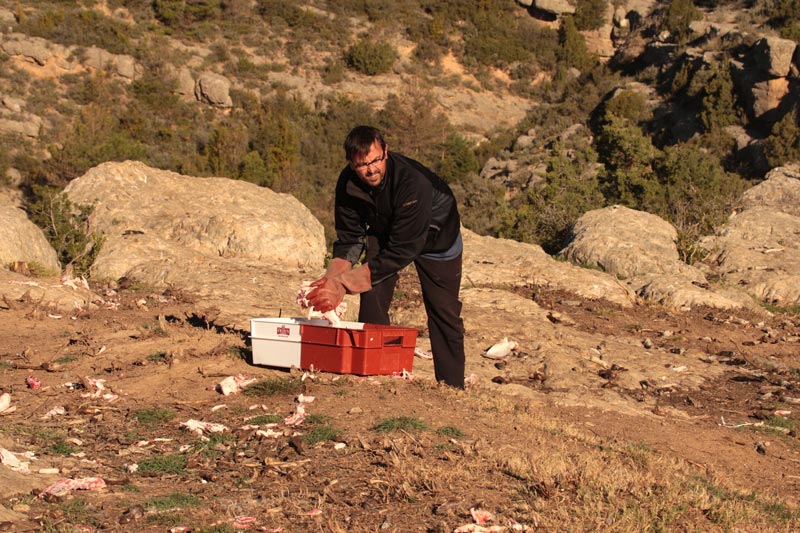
{"x": 440, "y": 281}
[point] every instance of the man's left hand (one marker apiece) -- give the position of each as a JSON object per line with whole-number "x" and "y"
{"x": 327, "y": 294}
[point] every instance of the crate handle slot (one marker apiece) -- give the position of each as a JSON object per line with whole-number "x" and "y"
{"x": 389, "y": 340}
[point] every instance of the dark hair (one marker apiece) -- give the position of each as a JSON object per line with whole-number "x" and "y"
{"x": 360, "y": 139}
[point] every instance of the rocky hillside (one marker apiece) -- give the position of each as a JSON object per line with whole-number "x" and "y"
{"x": 597, "y": 100}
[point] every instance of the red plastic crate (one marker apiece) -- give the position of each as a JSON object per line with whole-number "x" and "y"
{"x": 373, "y": 350}
{"x": 353, "y": 348}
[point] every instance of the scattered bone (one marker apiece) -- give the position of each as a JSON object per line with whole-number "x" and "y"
{"x": 422, "y": 354}
{"x": 234, "y": 384}
{"x": 501, "y": 350}
{"x": 5, "y": 404}
{"x": 296, "y": 418}
{"x": 244, "y": 522}
{"x": 199, "y": 427}
{"x": 13, "y": 462}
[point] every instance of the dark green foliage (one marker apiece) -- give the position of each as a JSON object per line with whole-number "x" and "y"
{"x": 572, "y": 46}
{"x": 700, "y": 194}
{"x": 628, "y": 155}
{"x": 81, "y": 27}
{"x": 183, "y": 13}
{"x": 545, "y": 214}
{"x": 679, "y": 15}
{"x": 458, "y": 159}
{"x": 66, "y": 226}
{"x": 629, "y": 105}
{"x": 719, "y": 99}
{"x": 226, "y": 150}
{"x": 785, "y": 16}
{"x": 95, "y": 137}
{"x": 371, "y": 57}
{"x": 590, "y": 14}
{"x": 783, "y": 144}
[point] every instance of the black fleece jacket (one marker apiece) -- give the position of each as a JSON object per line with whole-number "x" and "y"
{"x": 412, "y": 212}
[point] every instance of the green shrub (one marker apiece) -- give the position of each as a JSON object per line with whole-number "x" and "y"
{"x": 80, "y": 27}
{"x": 630, "y": 105}
{"x": 679, "y": 15}
{"x": 371, "y": 57}
{"x": 226, "y": 149}
{"x": 785, "y": 16}
{"x": 783, "y": 144}
{"x": 573, "y": 51}
{"x": 628, "y": 156}
{"x": 66, "y": 226}
{"x": 699, "y": 193}
{"x": 545, "y": 214}
{"x": 719, "y": 107}
{"x": 590, "y": 14}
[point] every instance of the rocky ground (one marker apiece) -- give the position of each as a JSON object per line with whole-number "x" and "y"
{"x": 620, "y": 449}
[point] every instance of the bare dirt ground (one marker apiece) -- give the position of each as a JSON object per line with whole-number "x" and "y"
{"x": 384, "y": 453}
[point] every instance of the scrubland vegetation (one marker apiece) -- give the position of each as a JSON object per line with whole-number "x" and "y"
{"x": 628, "y": 153}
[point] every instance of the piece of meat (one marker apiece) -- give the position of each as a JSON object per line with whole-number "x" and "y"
{"x": 333, "y": 317}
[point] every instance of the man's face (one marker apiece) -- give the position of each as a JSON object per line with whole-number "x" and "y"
{"x": 371, "y": 167}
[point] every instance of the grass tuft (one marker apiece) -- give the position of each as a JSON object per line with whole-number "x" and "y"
{"x": 163, "y": 464}
{"x": 274, "y": 387}
{"x": 176, "y": 500}
{"x": 406, "y": 423}
{"x": 154, "y": 417}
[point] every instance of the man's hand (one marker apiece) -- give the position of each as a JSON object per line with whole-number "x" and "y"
{"x": 326, "y": 295}
{"x": 357, "y": 280}
{"x": 336, "y": 267}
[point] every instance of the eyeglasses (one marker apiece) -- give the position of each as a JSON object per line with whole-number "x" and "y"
{"x": 366, "y": 164}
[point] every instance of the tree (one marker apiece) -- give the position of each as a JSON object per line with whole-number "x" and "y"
{"x": 226, "y": 149}
{"x": 680, "y": 14}
{"x": 719, "y": 99}
{"x": 699, "y": 193}
{"x": 572, "y": 46}
{"x": 547, "y": 211}
{"x": 783, "y": 144}
{"x": 628, "y": 155}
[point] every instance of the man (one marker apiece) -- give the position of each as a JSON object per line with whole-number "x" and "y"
{"x": 394, "y": 211}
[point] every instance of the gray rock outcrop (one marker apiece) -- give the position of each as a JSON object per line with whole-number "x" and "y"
{"x": 759, "y": 248}
{"x": 123, "y": 65}
{"x": 241, "y": 248}
{"x": 492, "y": 262}
{"x": 22, "y": 240}
{"x": 556, "y": 7}
{"x": 773, "y": 55}
{"x": 640, "y": 248}
{"x": 34, "y": 49}
{"x": 213, "y": 89}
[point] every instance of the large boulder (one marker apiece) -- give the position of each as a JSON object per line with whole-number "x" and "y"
{"x": 22, "y": 240}
{"x": 100, "y": 59}
{"x": 758, "y": 248}
{"x": 492, "y": 262}
{"x": 242, "y": 249}
{"x": 623, "y": 242}
{"x": 640, "y": 248}
{"x": 213, "y": 89}
{"x": 773, "y": 55}
{"x": 555, "y": 7}
{"x": 34, "y": 49}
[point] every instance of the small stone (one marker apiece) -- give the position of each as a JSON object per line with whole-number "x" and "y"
{"x": 647, "y": 343}
{"x": 355, "y": 411}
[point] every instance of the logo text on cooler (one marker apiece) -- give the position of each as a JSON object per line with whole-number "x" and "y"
{"x": 282, "y": 331}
